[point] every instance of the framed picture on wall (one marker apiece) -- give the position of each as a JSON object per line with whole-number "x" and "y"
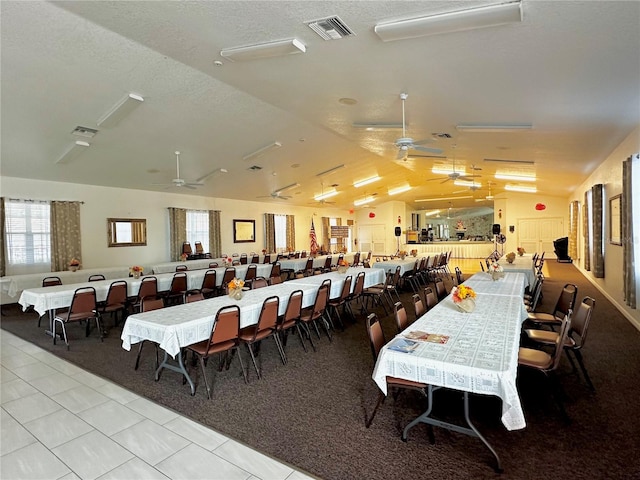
{"x": 615, "y": 220}
{"x": 244, "y": 231}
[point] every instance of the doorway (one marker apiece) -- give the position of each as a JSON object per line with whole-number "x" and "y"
{"x": 537, "y": 235}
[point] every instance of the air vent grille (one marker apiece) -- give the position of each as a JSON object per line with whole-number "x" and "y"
{"x": 85, "y": 132}
{"x": 441, "y": 135}
{"x": 255, "y": 167}
{"x": 330, "y": 28}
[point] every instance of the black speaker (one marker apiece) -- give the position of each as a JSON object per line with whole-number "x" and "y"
{"x": 496, "y": 229}
{"x": 398, "y": 231}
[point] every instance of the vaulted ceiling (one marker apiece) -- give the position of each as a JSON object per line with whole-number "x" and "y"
{"x": 569, "y": 69}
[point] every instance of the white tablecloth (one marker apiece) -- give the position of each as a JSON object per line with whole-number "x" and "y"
{"x": 481, "y": 354}
{"x": 170, "y": 267}
{"x": 405, "y": 265}
{"x": 12, "y": 285}
{"x": 182, "y": 325}
{"x": 522, "y": 264}
{"x": 297, "y": 264}
{"x": 372, "y": 276}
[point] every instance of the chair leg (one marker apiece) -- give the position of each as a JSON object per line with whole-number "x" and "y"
{"x": 578, "y": 356}
{"x": 381, "y": 397}
{"x": 253, "y": 358}
{"x": 139, "y": 353}
{"x": 283, "y": 356}
{"x": 204, "y": 375}
{"x": 300, "y": 337}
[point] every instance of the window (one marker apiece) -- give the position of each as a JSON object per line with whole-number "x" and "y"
{"x": 280, "y": 225}
{"x": 198, "y": 228}
{"x": 28, "y": 236}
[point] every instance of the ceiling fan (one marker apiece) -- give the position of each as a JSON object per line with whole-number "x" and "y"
{"x": 455, "y": 175}
{"x": 322, "y": 198}
{"x": 405, "y": 143}
{"x": 278, "y": 193}
{"x": 489, "y": 196}
{"x": 180, "y": 182}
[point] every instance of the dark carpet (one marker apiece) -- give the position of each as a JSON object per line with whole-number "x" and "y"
{"x": 310, "y": 413}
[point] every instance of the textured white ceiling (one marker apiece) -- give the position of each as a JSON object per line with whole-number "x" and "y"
{"x": 572, "y": 69}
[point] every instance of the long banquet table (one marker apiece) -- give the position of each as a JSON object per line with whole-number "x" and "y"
{"x": 170, "y": 267}
{"x": 523, "y": 264}
{"x": 406, "y": 265}
{"x": 458, "y": 249}
{"x": 297, "y": 264}
{"x": 480, "y": 355}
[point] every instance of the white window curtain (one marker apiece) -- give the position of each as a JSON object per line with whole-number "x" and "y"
{"x": 27, "y": 236}
{"x": 280, "y": 227}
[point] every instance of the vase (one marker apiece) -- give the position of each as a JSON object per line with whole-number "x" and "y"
{"x": 136, "y": 274}
{"x": 467, "y": 305}
{"x": 235, "y": 293}
{"x": 73, "y": 268}
{"x": 496, "y": 275}
{"x": 510, "y": 260}
{"x": 342, "y": 269}
{"x": 520, "y": 254}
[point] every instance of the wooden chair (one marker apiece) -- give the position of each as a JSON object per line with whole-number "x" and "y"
{"x": 83, "y": 308}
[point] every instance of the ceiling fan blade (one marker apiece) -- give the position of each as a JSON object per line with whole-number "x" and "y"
{"x": 426, "y": 156}
{"x": 427, "y": 149}
{"x": 446, "y": 180}
{"x": 423, "y": 141}
{"x": 186, "y": 185}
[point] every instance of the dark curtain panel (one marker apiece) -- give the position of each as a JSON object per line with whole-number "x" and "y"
{"x": 3, "y": 258}
{"x": 215, "y": 239}
{"x": 66, "y": 242}
{"x": 586, "y": 227}
{"x": 597, "y": 200}
{"x": 291, "y": 231}
{"x": 628, "y": 256}
{"x": 574, "y": 208}
{"x": 177, "y": 232}
{"x": 270, "y": 232}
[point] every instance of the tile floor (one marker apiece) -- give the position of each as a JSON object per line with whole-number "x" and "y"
{"x": 61, "y": 422}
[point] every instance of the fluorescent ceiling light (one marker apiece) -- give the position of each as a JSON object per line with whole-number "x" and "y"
{"x": 467, "y": 183}
{"x": 364, "y": 201}
{"x": 288, "y": 187}
{"x": 431, "y": 213}
{"x": 521, "y": 178}
{"x": 331, "y": 170}
{"x": 371, "y": 127}
{"x": 443, "y": 198}
{"x": 520, "y": 188}
{"x": 444, "y": 170}
{"x": 397, "y": 190}
{"x": 217, "y": 170}
{"x": 264, "y": 50}
{"x": 73, "y": 151}
{"x": 262, "y": 151}
{"x": 123, "y": 108}
{"x": 457, "y": 21}
{"x": 326, "y": 195}
{"x": 494, "y": 128}
{"x": 366, "y": 181}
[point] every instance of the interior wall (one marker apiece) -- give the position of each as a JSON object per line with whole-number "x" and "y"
{"x": 609, "y": 173}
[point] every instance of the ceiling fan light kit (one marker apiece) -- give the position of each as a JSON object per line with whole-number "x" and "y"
{"x": 457, "y": 21}
{"x": 120, "y": 110}
{"x": 73, "y": 151}
{"x": 366, "y": 181}
{"x": 278, "y": 48}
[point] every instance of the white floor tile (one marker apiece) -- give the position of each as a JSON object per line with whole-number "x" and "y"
{"x": 58, "y": 428}
{"x": 92, "y": 455}
{"x": 29, "y": 408}
{"x": 65, "y": 367}
{"x": 55, "y": 383}
{"x": 196, "y": 462}
{"x": 117, "y": 393}
{"x": 89, "y": 379}
{"x": 150, "y": 442}
{"x": 13, "y": 436}
{"x": 79, "y": 398}
{"x": 6, "y": 375}
{"x": 33, "y": 462}
{"x": 34, "y": 370}
{"x": 296, "y": 475}
{"x": 152, "y": 411}
{"x": 17, "y": 359}
{"x": 199, "y": 434}
{"x": 110, "y": 417}
{"x": 134, "y": 469}
{"x": 256, "y": 463}
{"x": 15, "y": 389}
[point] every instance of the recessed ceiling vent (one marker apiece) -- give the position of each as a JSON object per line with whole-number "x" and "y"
{"x": 330, "y": 28}
{"x": 255, "y": 168}
{"x": 441, "y": 135}
{"x": 84, "y": 132}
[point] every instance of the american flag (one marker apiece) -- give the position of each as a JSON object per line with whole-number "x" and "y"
{"x": 314, "y": 240}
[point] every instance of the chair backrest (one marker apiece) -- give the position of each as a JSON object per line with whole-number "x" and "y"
{"x": 441, "y": 291}
{"x": 181, "y": 268}
{"x": 226, "y": 325}
{"x": 561, "y": 339}
{"x": 537, "y": 292}
{"x": 213, "y": 264}
{"x": 459, "y": 277}
{"x": 275, "y": 280}
{"x": 151, "y": 303}
{"x": 209, "y": 280}
{"x": 309, "y": 264}
{"x": 267, "y": 258}
{"x": 117, "y": 293}
{"x": 418, "y": 306}
{"x": 97, "y": 277}
{"x": 356, "y": 259}
{"x": 481, "y": 265}
{"x": 359, "y": 285}
{"x": 83, "y": 303}
{"x": 244, "y": 259}
{"x": 566, "y": 300}
{"x": 400, "y": 314}
{"x": 376, "y": 335}
{"x": 346, "y": 288}
{"x": 255, "y": 258}
{"x": 252, "y": 272}
{"x": 51, "y": 281}
{"x": 199, "y": 248}
{"x": 322, "y": 297}
{"x": 303, "y": 254}
{"x": 269, "y": 314}
{"x": 275, "y": 270}
{"x": 580, "y": 322}
{"x": 430, "y": 298}
{"x": 259, "y": 282}
{"x": 229, "y": 274}
{"x": 178, "y": 282}
{"x": 294, "y": 306}
{"x": 148, "y": 287}
{"x": 235, "y": 255}
{"x": 186, "y": 248}
{"x": 193, "y": 297}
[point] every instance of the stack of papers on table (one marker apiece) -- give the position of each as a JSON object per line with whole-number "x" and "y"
{"x": 427, "y": 337}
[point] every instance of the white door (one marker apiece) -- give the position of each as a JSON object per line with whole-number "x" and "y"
{"x": 537, "y": 235}
{"x": 372, "y": 238}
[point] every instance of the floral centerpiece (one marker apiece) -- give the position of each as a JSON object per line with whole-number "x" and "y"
{"x": 136, "y": 271}
{"x": 414, "y": 253}
{"x": 402, "y": 254}
{"x": 521, "y": 251}
{"x": 183, "y": 257}
{"x": 495, "y": 270}
{"x": 74, "y": 264}
{"x": 343, "y": 265}
{"x": 228, "y": 261}
{"x": 510, "y": 257}
{"x": 264, "y": 251}
{"x": 463, "y": 298}
{"x": 235, "y": 288}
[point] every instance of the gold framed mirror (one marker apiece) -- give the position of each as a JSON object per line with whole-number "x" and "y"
{"x": 126, "y": 232}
